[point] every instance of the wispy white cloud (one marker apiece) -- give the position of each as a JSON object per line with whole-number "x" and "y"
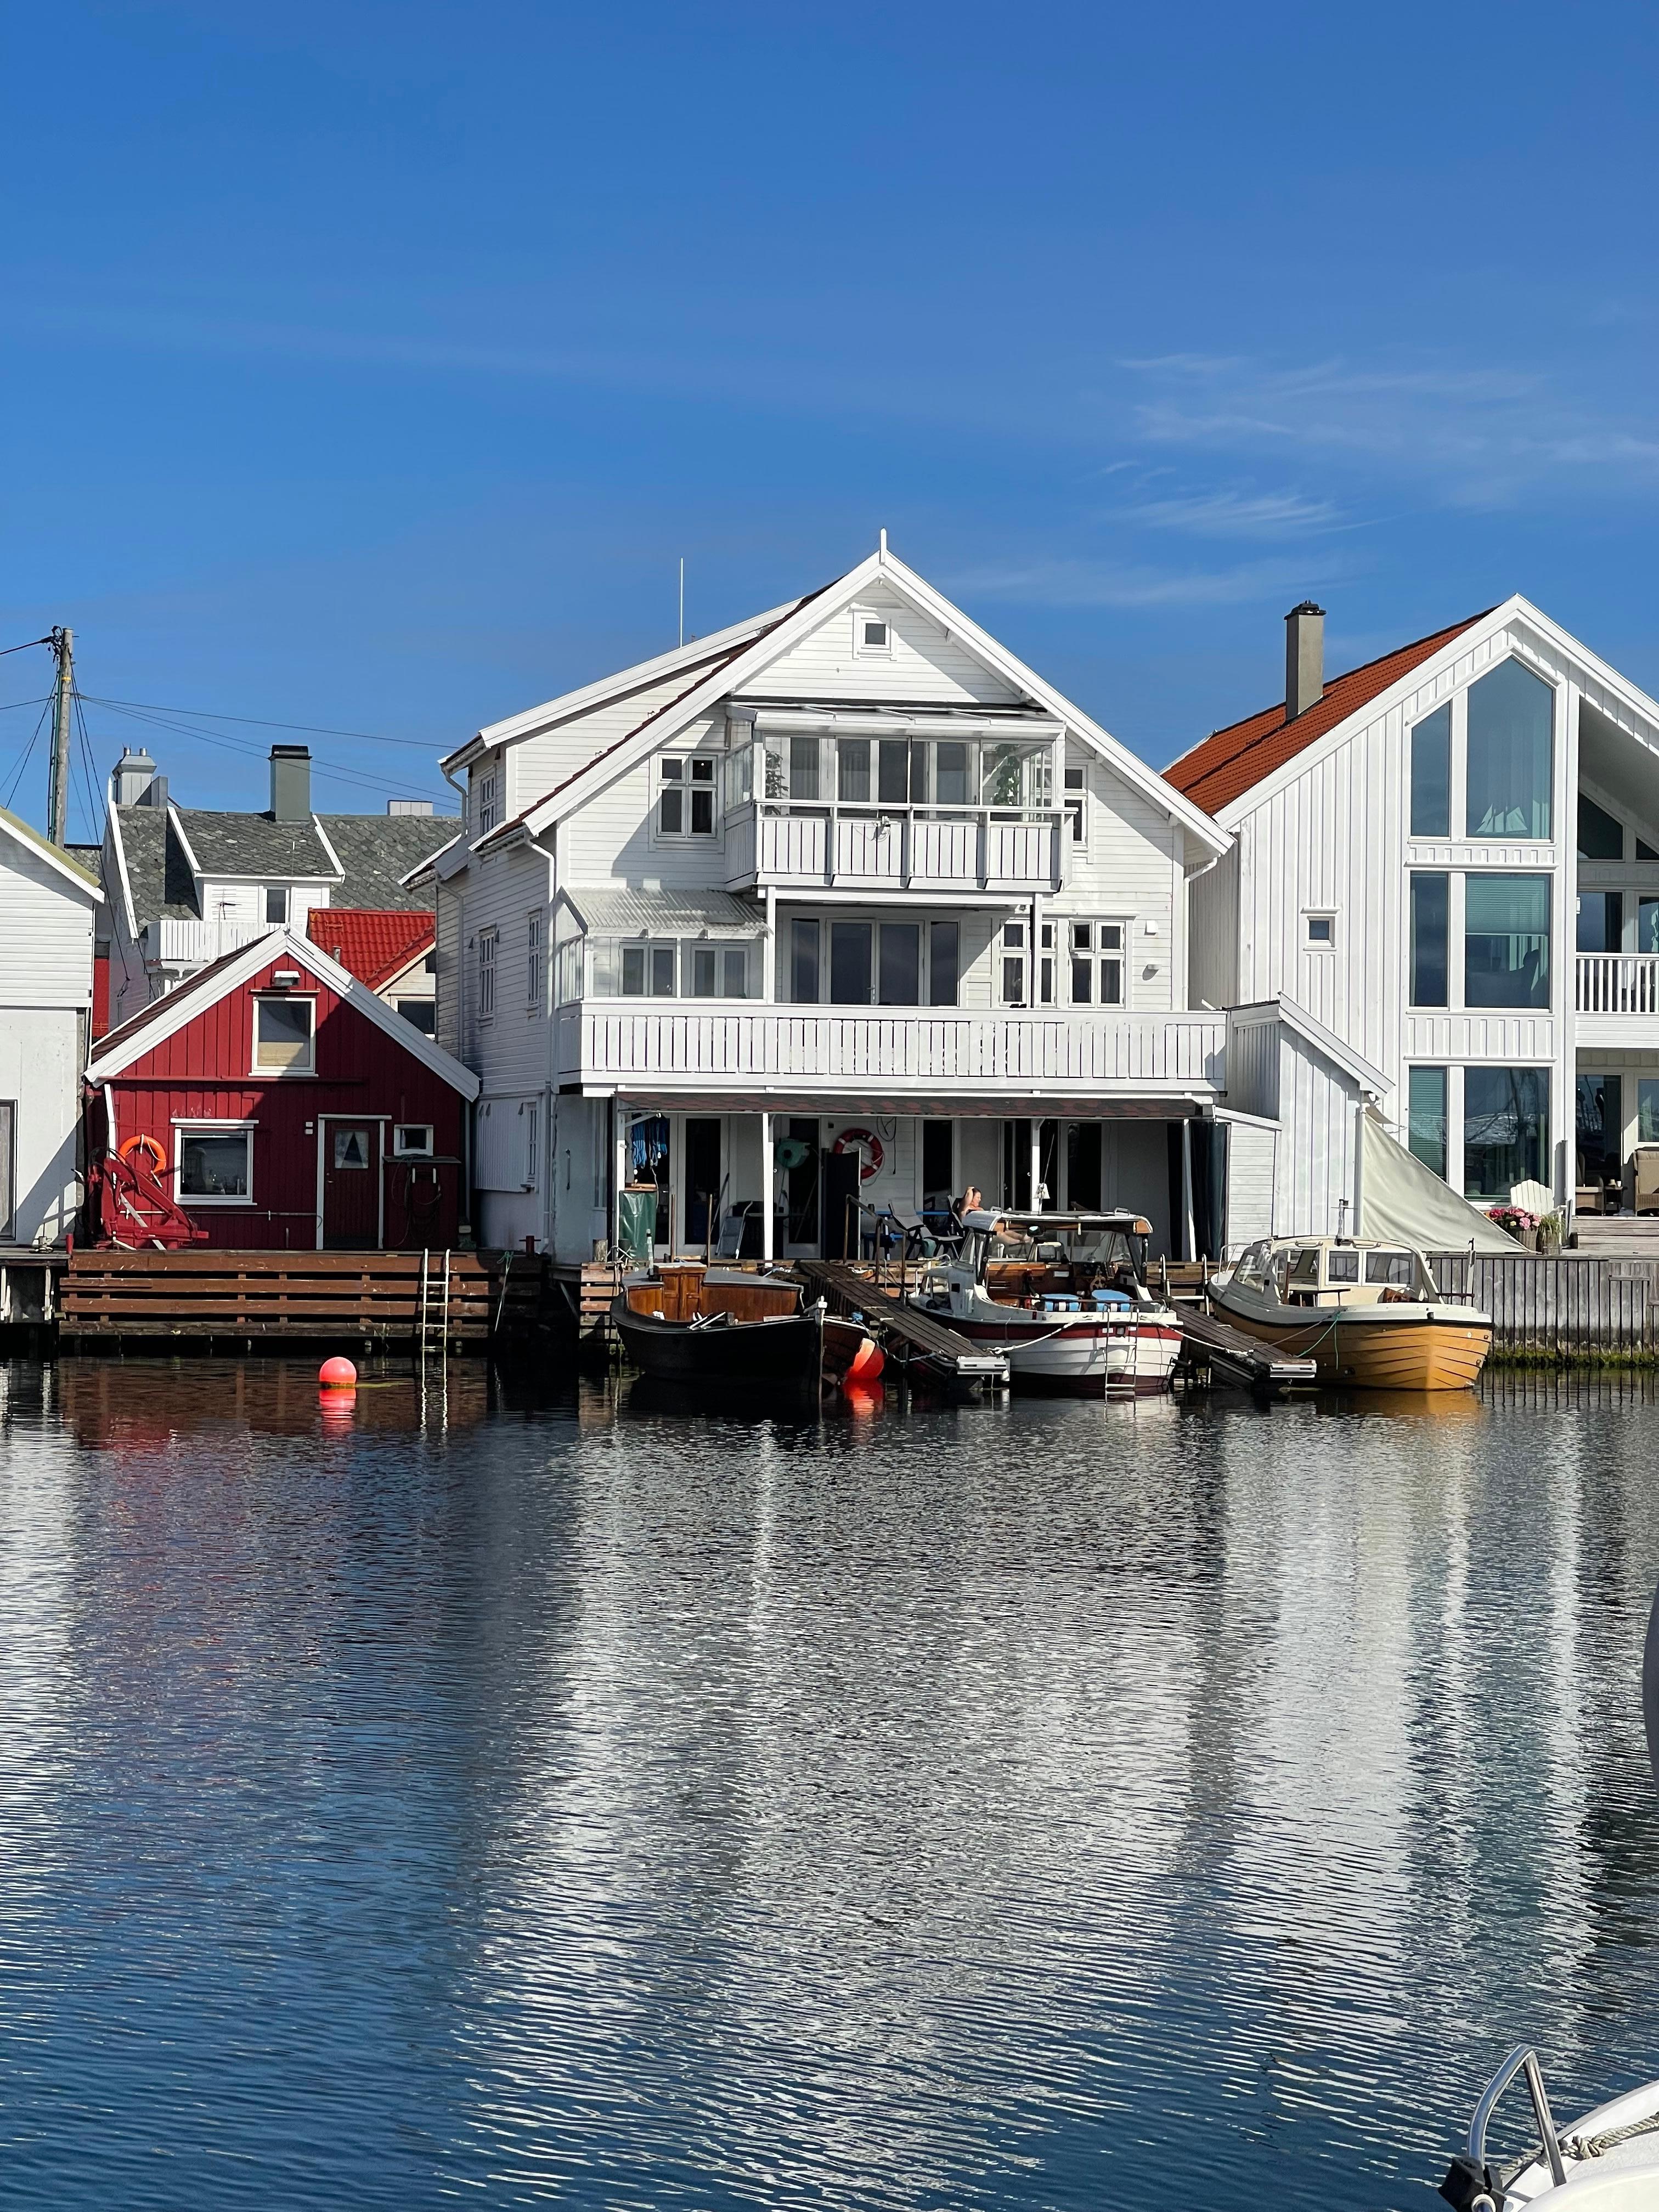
{"x": 1085, "y": 583}
{"x": 1235, "y": 513}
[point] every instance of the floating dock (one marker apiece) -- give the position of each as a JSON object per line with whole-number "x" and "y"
{"x": 1209, "y": 1341}
{"x": 909, "y": 1339}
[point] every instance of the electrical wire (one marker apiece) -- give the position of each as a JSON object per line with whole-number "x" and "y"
{"x": 27, "y": 642}
{"x": 259, "y": 722}
{"x": 87, "y": 768}
{"x": 13, "y": 703}
{"x": 158, "y": 721}
{"x": 29, "y": 750}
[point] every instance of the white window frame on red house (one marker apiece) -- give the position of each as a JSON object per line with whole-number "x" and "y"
{"x": 294, "y": 1070}
{"x": 196, "y": 1125}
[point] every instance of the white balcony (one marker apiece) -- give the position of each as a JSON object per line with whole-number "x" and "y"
{"x": 1618, "y": 999}
{"x": 927, "y": 1055}
{"x": 797, "y": 847}
{"x": 187, "y": 944}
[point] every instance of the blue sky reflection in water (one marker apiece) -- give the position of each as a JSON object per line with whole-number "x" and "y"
{"x": 1050, "y": 1807}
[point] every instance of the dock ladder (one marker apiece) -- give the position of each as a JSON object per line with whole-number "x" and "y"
{"x": 435, "y": 1292}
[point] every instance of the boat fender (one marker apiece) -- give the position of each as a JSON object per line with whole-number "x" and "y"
{"x": 1468, "y": 2187}
{"x": 867, "y": 1363}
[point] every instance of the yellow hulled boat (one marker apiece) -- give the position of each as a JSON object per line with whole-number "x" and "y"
{"x": 1371, "y": 1316}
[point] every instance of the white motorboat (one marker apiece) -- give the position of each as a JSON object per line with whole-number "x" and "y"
{"x": 1608, "y": 2161}
{"x": 1064, "y": 1296}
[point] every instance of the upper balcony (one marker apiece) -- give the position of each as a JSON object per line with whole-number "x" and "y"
{"x": 1616, "y": 996}
{"x": 179, "y": 942}
{"x": 895, "y": 807}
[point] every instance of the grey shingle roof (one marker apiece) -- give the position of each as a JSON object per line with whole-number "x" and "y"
{"x": 374, "y": 850}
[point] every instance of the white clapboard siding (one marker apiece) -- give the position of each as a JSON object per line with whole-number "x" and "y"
{"x": 1252, "y": 1168}
{"x": 46, "y": 926}
{"x": 511, "y": 1051}
{"x": 500, "y": 1154}
{"x": 924, "y": 664}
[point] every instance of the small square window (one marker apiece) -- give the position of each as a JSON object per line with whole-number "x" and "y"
{"x": 1013, "y": 936}
{"x": 872, "y": 634}
{"x": 412, "y": 1141}
{"x": 1082, "y": 936}
{"x": 1322, "y": 929}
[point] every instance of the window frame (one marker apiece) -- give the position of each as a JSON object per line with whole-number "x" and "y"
{"x": 490, "y": 799}
{"x": 535, "y": 962}
{"x": 488, "y": 946}
{"x": 1096, "y": 956}
{"x": 862, "y": 651}
{"x": 400, "y": 1151}
{"x": 294, "y": 1070}
{"x": 196, "y": 1124}
{"x": 275, "y": 893}
{"x": 1310, "y": 914}
{"x": 685, "y": 784}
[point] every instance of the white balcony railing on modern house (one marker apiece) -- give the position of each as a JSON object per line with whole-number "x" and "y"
{"x": 894, "y": 848}
{"x": 1618, "y": 983}
{"x": 193, "y": 943}
{"x": 659, "y": 1049}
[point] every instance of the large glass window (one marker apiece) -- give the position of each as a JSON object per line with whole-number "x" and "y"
{"x": 1510, "y": 753}
{"x": 802, "y": 768}
{"x": 1506, "y": 941}
{"x": 1601, "y": 921}
{"x": 1506, "y": 1130}
{"x": 1431, "y": 775}
{"x": 853, "y": 770}
{"x": 944, "y": 962}
{"x": 1647, "y": 1111}
{"x": 804, "y": 962}
{"x": 1427, "y": 1116}
{"x": 1598, "y": 1117}
{"x": 1599, "y": 838}
{"x": 901, "y": 964}
{"x": 1647, "y": 925}
{"x": 1430, "y": 909}
{"x": 216, "y": 1164}
{"x": 850, "y": 963}
{"x": 950, "y": 774}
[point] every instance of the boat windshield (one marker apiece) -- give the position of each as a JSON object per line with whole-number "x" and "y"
{"x": 1392, "y": 1269}
{"x": 1063, "y": 1243}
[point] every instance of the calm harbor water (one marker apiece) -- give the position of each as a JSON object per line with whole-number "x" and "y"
{"x": 567, "y": 1802}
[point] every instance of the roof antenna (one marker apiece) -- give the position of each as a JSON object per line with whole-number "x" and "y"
{"x": 881, "y": 550}
{"x": 682, "y": 599}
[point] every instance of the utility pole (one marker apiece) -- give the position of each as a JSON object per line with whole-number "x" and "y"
{"x": 63, "y": 647}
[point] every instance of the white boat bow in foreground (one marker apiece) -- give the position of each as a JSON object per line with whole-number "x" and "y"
{"x": 1608, "y": 2161}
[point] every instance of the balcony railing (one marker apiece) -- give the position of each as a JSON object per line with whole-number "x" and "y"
{"x": 1618, "y": 983}
{"x": 186, "y": 943}
{"x": 927, "y": 1052}
{"x": 896, "y": 848}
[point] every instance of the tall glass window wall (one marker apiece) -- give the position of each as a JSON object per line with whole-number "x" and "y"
{"x": 1506, "y": 941}
{"x": 1431, "y": 775}
{"x": 1427, "y": 1116}
{"x": 1428, "y": 947}
{"x": 1506, "y": 1130}
{"x": 1509, "y": 754}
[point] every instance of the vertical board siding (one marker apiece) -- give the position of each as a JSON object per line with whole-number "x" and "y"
{"x": 1557, "y": 1303}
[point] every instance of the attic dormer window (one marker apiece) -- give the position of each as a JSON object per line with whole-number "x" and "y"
{"x": 872, "y": 635}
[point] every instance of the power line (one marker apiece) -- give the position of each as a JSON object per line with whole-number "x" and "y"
{"x": 159, "y": 721}
{"x": 27, "y": 642}
{"x": 259, "y": 722}
{"x": 40, "y": 726}
{"x": 87, "y": 767}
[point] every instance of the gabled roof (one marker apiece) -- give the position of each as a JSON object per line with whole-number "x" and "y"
{"x": 362, "y": 857}
{"x": 1232, "y": 762}
{"x": 1309, "y": 1027}
{"x": 24, "y": 833}
{"x": 163, "y": 1018}
{"x": 749, "y": 658}
{"x": 374, "y": 945}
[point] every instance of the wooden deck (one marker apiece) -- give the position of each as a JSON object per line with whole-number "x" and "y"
{"x": 372, "y": 1298}
{"x": 1210, "y": 1342}
{"x": 909, "y": 1339}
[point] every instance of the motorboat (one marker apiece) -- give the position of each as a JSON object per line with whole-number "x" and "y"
{"x": 731, "y": 1330}
{"x": 1063, "y": 1295}
{"x": 1368, "y": 1314}
{"x": 1607, "y": 2161}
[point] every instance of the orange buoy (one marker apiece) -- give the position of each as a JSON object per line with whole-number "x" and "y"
{"x": 337, "y": 1374}
{"x": 868, "y": 1361}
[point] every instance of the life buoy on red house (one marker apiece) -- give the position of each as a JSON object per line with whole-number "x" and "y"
{"x": 865, "y": 1142}
{"x": 147, "y": 1147}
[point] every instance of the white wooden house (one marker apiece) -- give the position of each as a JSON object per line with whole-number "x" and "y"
{"x": 48, "y": 906}
{"x": 846, "y": 882}
{"x": 1449, "y": 858}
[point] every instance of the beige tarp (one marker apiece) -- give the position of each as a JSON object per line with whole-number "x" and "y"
{"x": 1401, "y": 1199}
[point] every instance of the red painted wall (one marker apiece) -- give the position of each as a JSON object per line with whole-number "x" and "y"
{"x": 203, "y": 1071}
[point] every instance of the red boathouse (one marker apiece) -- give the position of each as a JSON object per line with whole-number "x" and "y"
{"x": 272, "y": 1102}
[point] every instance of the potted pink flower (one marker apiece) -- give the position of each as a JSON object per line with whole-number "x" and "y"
{"x": 1516, "y": 1222}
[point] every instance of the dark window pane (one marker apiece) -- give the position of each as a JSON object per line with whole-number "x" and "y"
{"x": 213, "y": 1167}
{"x": 1601, "y": 921}
{"x": 1426, "y": 1112}
{"x": 920, "y": 754}
{"x": 850, "y": 963}
{"x": 276, "y": 904}
{"x": 633, "y": 978}
{"x": 853, "y": 769}
{"x": 662, "y": 971}
{"x": 802, "y": 768}
{"x": 703, "y": 813}
{"x": 1647, "y": 1111}
{"x": 1506, "y": 941}
{"x": 1644, "y": 850}
{"x": 943, "y": 955}
{"x": 1600, "y": 1129}
{"x": 1083, "y": 982}
{"x": 804, "y": 962}
{"x": 671, "y": 814}
{"x": 1647, "y": 925}
{"x": 1506, "y": 1126}
{"x": 901, "y": 964}
{"x": 735, "y": 962}
{"x": 938, "y": 1163}
{"x": 1431, "y": 775}
{"x": 1599, "y": 838}
{"x": 1429, "y": 926}
{"x": 1013, "y": 980}
{"x": 1509, "y": 754}
{"x": 950, "y": 766}
{"x": 893, "y": 763}
{"x": 1083, "y": 1154}
{"x": 703, "y": 984}
{"x": 1111, "y": 982}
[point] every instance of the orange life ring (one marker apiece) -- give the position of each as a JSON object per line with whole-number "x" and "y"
{"x": 867, "y": 1141}
{"x": 134, "y": 1145}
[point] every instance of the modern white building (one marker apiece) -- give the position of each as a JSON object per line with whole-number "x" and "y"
{"x": 48, "y": 908}
{"x": 843, "y": 900}
{"x": 1450, "y": 858}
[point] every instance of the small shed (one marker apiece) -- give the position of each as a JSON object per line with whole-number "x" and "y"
{"x": 277, "y": 1103}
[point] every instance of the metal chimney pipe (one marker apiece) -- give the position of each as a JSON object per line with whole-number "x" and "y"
{"x": 290, "y": 783}
{"x": 1305, "y": 658}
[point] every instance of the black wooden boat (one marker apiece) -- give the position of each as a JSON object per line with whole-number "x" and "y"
{"x": 727, "y": 1339}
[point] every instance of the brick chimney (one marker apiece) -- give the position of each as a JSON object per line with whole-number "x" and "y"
{"x": 1305, "y": 658}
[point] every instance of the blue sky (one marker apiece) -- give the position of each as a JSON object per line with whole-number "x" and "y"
{"x": 371, "y": 367}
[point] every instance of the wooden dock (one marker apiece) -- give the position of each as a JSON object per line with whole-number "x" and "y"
{"x": 455, "y": 1301}
{"x": 1209, "y": 1341}
{"x": 912, "y": 1340}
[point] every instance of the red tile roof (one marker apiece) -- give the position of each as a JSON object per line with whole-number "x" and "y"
{"x": 374, "y": 943}
{"x": 1232, "y": 762}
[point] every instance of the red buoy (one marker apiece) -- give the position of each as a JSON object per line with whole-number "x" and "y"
{"x": 337, "y": 1374}
{"x": 867, "y": 1361}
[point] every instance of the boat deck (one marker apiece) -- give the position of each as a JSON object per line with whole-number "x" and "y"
{"x": 907, "y": 1337}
